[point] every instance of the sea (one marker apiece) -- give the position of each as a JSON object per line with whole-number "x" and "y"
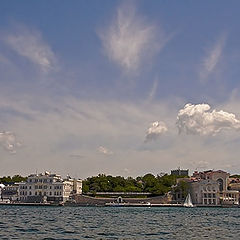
{"x": 45, "y": 222}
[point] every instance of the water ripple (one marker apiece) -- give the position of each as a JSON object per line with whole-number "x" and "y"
{"x": 50, "y": 223}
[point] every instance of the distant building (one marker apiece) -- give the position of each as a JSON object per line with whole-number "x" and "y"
{"x": 211, "y": 188}
{"x": 205, "y": 192}
{"x": 179, "y": 172}
{"x": 48, "y": 187}
{"x": 10, "y": 192}
{"x": 220, "y": 176}
{"x": 1, "y": 187}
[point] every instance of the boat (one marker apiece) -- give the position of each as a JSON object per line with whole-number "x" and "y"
{"x": 188, "y": 201}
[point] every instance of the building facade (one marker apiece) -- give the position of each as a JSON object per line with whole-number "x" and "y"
{"x": 221, "y": 177}
{"x": 48, "y": 187}
{"x": 204, "y": 192}
{"x": 10, "y": 192}
{"x": 211, "y": 188}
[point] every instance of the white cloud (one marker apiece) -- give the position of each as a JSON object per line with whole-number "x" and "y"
{"x": 30, "y": 44}
{"x": 73, "y": 126}
{"x": 104, "y": 150}
{"x": 198, "y": 119}
{"x": 130, "y": 39}
{"x": 8, "y": 141}
{"x": 155, "y": 130}
{"x": 211, "y": 60}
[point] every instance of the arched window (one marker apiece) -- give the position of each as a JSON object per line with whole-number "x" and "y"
{"x": 119, "y": 199}
{"x": 220, "y": 184}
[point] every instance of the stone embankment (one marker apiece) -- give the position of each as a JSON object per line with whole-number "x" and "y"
{"x": 84, "y": 200}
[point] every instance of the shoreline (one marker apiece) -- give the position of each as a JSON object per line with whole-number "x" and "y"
{"x": 116, "y": 205}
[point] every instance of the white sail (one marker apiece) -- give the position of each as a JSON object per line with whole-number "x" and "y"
{"x": 188, "y": 201}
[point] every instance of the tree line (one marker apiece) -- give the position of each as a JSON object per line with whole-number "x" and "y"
{"x": 157, "y": 185}
{"x": 9, "y": 180}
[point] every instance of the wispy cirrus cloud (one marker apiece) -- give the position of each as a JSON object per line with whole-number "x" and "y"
{"x": 198, "y": 119}
{"x": 130, "y": 39}
{"x": 212, "y": 58}
{"x": 75, "y": 128}
{"x": 30, "y": 44}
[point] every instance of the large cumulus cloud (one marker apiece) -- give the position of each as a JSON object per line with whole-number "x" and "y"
{"x": 199, "y": 119}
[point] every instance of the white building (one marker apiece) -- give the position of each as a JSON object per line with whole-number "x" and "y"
{"x": 205, "y": 192}
{"x": 48, "y": 187}
{"x": 211, "y": 188}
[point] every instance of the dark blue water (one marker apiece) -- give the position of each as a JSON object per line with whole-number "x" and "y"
{"x": 118, "y": 223}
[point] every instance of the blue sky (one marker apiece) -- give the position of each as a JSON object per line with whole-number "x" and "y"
{"x": 92, "y": 87}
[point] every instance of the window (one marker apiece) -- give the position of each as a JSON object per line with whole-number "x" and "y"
{"x": 36, "y": 186}
{"x": 214, "y": 195}
{"x": 209, "y": 195}
{"x": 30, "y": 187}
{"x": 205, "y": 195}
{"x": 35, "y": 193}
{"x": 30, "y": 193}
{"x": 220, "y": 184}
{"x": 50, "y": 193}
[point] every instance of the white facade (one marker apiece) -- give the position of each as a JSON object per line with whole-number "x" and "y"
{"x": 205, "y": 192}
{"x": 211, "y": 188}
{"x": 48, "y": 187}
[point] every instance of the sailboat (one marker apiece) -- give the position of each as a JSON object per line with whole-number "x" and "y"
{"x": 188, "y": 201}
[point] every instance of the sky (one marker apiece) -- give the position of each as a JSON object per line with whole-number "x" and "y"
{"x": 119, "y": 87}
